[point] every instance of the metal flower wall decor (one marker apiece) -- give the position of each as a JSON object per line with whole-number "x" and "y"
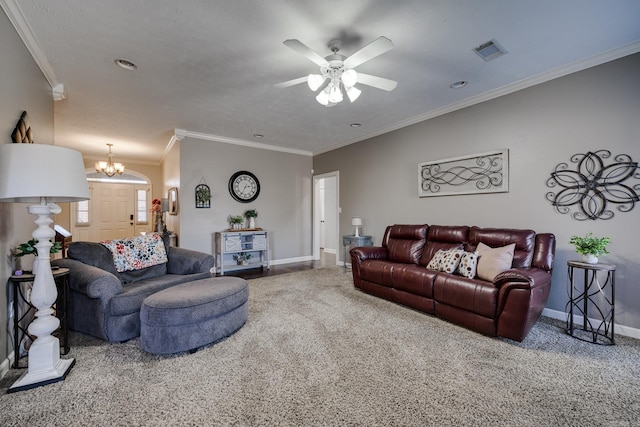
{"x": 593, "y": 186}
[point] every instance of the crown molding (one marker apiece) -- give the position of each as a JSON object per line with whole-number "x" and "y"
{"x": 181, "y": 133}
{"x": 574, "y": 67}
{"x": 15, "y": 15}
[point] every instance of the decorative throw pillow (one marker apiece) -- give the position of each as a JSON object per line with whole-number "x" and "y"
{"x": 493, "y": 261}
{"x": 450, "y": 260}
{"x": 137, "y": 253}
{"x": 468, "y": 264}
{"x": 436, "y": 261}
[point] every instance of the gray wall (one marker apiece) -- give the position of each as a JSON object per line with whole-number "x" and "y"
{"x": 22, "y": 88}
{"x": 284, "y": 204}
{"x": 542, "y": 126}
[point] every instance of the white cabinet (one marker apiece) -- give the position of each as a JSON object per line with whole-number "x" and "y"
{"x": 239, "y": 250}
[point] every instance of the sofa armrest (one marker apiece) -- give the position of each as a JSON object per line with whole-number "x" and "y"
{"x": 89, "y": 280}
{"x": 187, "y": 261}
{"x": 519, "y": 277}
{"x": 368, "y": 252}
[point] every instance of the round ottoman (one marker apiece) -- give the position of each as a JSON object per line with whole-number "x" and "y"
{"x": 191, "y": 315}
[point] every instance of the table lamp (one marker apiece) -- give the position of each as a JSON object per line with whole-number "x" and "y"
{"x": 42, "y": 175}
{"x": 357, "y": 222}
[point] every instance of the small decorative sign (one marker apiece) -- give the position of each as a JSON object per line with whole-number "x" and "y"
{"x": 473, "y": 174}
{"x": 203, "y": 195}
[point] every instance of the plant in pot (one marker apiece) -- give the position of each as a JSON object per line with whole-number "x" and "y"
{"x": 242, "y": 258}
{"x": 29, "y": 248}
{"x": 251, "y": 215}
{"x": 235, "y": 221}
{"x": 590, "y": 247}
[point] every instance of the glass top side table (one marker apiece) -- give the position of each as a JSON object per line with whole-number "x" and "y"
{"x": 591, "y": 307}
{"x": 353, "y": 241}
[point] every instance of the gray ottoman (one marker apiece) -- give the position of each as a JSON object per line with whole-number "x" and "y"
{"x": 188, "y": 316}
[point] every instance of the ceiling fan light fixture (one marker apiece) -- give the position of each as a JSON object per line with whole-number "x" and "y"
{"x": 323, "y": 97}
{"x": 353, "y": 93}
{"x": 350, "y": 78}
{"x": 315, "y": 81}
{"x": 335, "y": 94}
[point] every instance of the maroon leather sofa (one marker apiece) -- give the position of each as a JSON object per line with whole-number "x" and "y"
{"x": 508, "y": 306}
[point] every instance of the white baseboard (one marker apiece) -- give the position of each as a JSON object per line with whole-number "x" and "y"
{"x": 290, "y": 260}
{"x": 329, "y": 251}
{"x": 6, "y": 364}
{"x": 619, "y": 329}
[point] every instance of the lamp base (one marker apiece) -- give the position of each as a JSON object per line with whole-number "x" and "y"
{"x": 30, "y": 380}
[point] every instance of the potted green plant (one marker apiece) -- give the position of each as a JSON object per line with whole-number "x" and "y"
{"x": 590, "y": 247}
{"x": 242, "y": 258}
{"x": 235, "y": 221}
{"x": 251, "y": 215}
{"x": 29, "y": 248}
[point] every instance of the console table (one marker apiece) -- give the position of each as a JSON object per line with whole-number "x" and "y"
{"x": 595, "y": 299}
{"x": 354, "y": 242}
{"x": 23, "y": 297}
{"x": 230, "y": 245}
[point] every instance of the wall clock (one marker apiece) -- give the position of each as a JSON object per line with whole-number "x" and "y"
{"x": 244, "y": 187}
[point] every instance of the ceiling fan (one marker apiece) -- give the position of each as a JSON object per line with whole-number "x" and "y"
{"x": 337, "y": 71}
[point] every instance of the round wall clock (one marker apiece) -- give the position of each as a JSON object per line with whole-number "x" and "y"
{"x": 244, "y": 187}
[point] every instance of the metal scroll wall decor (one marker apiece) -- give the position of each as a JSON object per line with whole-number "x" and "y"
{"x": 477, "y": 173}
{"x": 588, "y": 191}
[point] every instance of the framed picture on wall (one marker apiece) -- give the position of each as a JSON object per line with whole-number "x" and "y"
{"x": 173, "y": 201}
{"x": 472, "y": 174}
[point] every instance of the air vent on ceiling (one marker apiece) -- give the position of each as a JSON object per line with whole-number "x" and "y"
{"x": 489, "y": 50}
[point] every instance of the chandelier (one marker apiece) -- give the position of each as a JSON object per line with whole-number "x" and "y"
{"x": 332, "y": 92}
{"x": 109, "y": 168}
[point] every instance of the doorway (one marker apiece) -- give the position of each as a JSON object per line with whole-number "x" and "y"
{"x": 326, "y": 214}
{"x": 116, "y": 210}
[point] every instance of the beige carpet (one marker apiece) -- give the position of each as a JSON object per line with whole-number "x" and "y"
{"x": 315, "y": 351}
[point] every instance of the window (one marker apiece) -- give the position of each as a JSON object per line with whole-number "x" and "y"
{"x": 142, "y": 214}
{"x": 82, "y": 213}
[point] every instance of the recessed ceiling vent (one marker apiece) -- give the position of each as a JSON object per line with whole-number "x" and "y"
{"x": 489, "y": 50}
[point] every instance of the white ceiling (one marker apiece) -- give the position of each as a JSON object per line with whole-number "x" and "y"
{"x": 208, "y": 67}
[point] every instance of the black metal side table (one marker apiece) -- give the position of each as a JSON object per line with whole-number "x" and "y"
{"x": 20, "y": 329}
{"x": 594, "y": 304}
{"x": 353, "y": 241}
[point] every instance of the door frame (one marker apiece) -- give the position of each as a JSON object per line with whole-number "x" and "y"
{"x": 316, "y": 213}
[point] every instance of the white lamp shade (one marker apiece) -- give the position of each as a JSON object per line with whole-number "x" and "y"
{"x": 350, "y": 78}
{"x": 29, "y": 172}
{"x": 353, "y": 93}
{"x": 323, "y": 97}
{"x": 356, "y": 220}
{"x": 315, "y": 81}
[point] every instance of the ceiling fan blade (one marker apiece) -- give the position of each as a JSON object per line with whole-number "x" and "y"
{"x": 302, "y": 48}
{"x": 375, "y": 81}
{"x": 373, "y": 49}
{"x": 291, "y": 82}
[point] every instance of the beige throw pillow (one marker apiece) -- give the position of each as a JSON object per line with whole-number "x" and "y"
{"x": 493, "y": 261}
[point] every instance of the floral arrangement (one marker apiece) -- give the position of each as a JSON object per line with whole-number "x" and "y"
{"x": 156, "y": 205}
{"x": 251, "y": 213}
{"x": 590, "y": 245}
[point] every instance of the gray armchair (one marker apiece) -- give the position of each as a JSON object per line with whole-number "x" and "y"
{"x": 105, "y": 303}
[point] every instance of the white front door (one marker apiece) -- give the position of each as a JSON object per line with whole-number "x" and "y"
{"x": 114, "y": 211}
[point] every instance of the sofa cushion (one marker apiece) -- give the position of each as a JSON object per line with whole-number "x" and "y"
{"x": 475, "y": 296}
{"x": 443, "y": 237}
{"x": 446, "y": 261}
{"x": 525, "y": 241}
{"x": 468, "y": 264}
{"x": 436, "y": 261}
{"x": 413, "y": 279}
{"x": 493, "y": 261}
{"x": 404, "y": 243}
{"x": 93, "y": 254}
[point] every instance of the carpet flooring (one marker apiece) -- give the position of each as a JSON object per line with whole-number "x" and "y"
{"x": 315, "y": 352}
